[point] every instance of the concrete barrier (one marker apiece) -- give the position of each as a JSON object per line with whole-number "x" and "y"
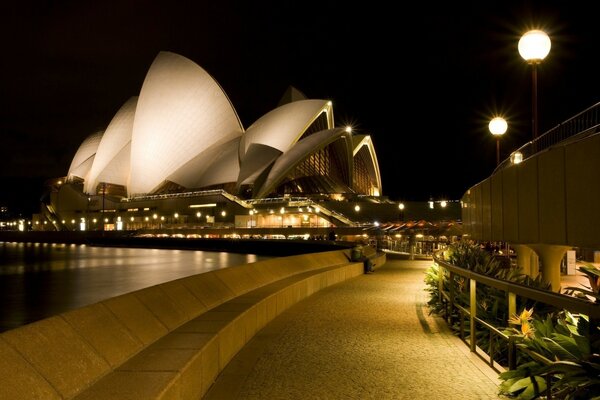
{"x": 166, "y": 341}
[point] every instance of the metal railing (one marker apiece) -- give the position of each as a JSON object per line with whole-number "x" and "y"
{"x": 512, "y": 290}
{"x": 579, "y": 126}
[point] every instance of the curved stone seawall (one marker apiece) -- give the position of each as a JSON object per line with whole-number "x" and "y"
{"x": 166, "y": 341}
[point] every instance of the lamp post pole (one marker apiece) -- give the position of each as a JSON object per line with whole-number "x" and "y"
{"x": 534, "y": 101}
{"x": 498, "y": 127}
{"x": 534, "y": 46}
{"x": 103, "y": 196}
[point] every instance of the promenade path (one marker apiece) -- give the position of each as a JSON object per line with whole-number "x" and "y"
{"x": 368, "y": 338}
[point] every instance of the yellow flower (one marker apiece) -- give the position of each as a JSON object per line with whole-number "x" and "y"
{"x": 515, "y": 320}
{"x": 526, "y": 315}
{"x": 521, "y": 319}
{"x": 527, "y": 330}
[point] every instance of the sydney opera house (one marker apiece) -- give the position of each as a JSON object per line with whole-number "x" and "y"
{"x": 178, "y": 155}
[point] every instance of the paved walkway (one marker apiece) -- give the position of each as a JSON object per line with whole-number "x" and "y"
{"x": 368, "y": 338}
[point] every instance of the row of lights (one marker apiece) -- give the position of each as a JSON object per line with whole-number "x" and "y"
{"x": 401, "y": 206}
{"x": 533, "y": 46}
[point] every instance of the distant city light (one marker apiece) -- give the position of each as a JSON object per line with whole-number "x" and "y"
{"x": 443, "y": 203}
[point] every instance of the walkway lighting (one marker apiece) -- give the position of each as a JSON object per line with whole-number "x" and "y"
{"x": 534, "y": 46}
{"x": 498, "y": 127}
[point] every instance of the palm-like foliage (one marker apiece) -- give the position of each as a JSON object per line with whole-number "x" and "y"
{"x": 560, "y": 352}
{"x": 492, "y": 303}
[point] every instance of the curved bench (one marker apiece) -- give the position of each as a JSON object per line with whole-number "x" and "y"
{"x": 166, "y": 341}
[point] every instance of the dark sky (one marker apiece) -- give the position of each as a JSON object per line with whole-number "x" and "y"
{"x": 424, "y": 80}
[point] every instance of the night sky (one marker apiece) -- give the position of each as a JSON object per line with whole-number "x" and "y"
{"x": 424, "y": 80}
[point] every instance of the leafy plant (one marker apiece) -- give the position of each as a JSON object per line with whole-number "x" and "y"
{"x": 560, "y": 353}
{"x": 492, "y": 303}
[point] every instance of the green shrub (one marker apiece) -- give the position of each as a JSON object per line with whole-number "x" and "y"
{"x": 560, "y": 353}
{"x": 492, "y": 303}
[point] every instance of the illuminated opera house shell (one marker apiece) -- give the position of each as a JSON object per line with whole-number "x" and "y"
{"x": 182, "y": 133}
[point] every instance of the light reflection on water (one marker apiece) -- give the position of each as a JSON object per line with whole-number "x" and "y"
{"x": 38, "y": 280}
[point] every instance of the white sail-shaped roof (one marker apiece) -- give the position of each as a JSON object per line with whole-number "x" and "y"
{"x": 216, "y": 165}
{"x": 116, "y": 137}
{"x": 364, "y": 141}
{"x": 283, "y": 126}
{"x": 84, "y": 157}
{"x": 288, "y": 160}
{"x": 117, "y": 171}
{"x": 181, "y": 112}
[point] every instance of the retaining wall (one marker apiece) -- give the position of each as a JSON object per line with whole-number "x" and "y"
{"x": 166, "y": 341}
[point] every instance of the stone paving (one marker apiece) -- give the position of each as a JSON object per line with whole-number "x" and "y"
{"x": 368, "y": 338}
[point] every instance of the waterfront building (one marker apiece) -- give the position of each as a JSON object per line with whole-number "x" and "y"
{"x": 177, "y": 155}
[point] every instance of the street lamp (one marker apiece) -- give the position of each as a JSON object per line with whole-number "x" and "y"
{"x": 401, "y": 208}
{"x": 498, "y": 127}
{"x": 534, "y": 46}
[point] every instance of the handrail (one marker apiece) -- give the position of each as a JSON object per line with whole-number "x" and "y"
{"x": 584, "y": 123}
{"x": 555, "y": 299}
{"x": 592, "y": 310}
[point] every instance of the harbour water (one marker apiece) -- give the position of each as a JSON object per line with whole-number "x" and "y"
{"x": 38, "y": 280}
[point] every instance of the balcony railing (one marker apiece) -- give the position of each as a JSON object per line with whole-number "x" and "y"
{"x": 579, "y": 126}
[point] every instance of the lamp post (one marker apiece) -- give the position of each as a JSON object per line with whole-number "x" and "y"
{"x": 102, "y": 213}
{"x": 498, "y": 127}
{"x": 401, "y": 208}
{"x": 534, "y": 46}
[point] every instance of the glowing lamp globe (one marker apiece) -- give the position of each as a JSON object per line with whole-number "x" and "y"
{"x": 498, "y": 126}
{"x": 534, "y": 46}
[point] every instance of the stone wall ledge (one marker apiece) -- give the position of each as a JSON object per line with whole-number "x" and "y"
{"x": 168, "y": 341}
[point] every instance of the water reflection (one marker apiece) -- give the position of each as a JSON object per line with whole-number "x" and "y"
{"x": 38, "y": 280}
